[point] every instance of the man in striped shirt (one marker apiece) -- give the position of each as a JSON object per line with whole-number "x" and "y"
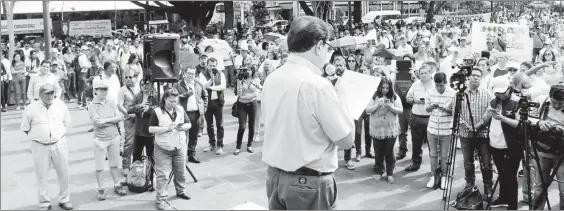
{"x": 439, "y": 104}
{"x": 473, "y": 131}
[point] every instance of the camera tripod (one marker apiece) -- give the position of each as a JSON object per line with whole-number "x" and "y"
{"x": 452, "y": 148}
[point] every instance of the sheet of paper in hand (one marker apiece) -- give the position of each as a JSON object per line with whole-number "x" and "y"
{"x": 355, "y": 90}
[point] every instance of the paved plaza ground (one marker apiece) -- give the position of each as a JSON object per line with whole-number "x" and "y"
{"x": 224, "y": 181}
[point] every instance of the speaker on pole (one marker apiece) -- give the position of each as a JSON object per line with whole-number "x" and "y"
{"x": 162, "y": 57}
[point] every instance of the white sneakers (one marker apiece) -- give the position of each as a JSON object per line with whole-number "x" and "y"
{"x": 431, "y": 182}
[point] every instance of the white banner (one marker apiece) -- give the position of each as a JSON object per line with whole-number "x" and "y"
{"x": 23, "y": 26}
{"x": 456, "y": 18}
{"x": 97, "y": 28}
{"x": 519, "y": 45}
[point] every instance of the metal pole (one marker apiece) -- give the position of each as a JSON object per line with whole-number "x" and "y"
{"x": 47, "y": 28}
{"x": 493, "y": 12}
{"x": 350, "y": 20}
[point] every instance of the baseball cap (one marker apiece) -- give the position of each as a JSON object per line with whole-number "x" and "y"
{"x": 499, "y": 84}
{"x": 47, "y": 88}
{"x": 426, "y": 39}
{"x": 99, "y": 84}
{"x": 548, "y": 42}
{"x": 84, "y": 48}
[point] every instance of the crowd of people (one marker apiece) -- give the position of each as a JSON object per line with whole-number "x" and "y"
{"x": 105, "y": 77}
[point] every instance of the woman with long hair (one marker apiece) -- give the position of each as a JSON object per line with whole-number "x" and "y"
{"x": 551, "y": 74}
{"x": 18, "y": 79}
{"x": 248, "y": 88}
{"x": 169, "y": 124}
{"x": 133, "y": 65}
{"x": 352, "y": 64}
{"x": 384, "y": 127}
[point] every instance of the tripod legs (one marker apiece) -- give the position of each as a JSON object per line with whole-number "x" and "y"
{"x": 189, "y": 171}
{"x": 545, "y": 184}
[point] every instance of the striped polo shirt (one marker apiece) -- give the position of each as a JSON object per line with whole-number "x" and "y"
{"x": 440, "y": 121}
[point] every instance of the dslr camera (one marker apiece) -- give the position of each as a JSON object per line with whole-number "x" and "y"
{"x": 243, "y": 73}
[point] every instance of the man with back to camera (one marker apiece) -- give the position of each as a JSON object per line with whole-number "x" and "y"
{"x": 304, "y": 123}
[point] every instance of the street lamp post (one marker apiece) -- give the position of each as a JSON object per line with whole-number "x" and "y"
{"x": 47, "y": 28}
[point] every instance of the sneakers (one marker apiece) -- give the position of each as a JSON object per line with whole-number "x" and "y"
{"x": 520, "y": 173}
{"x": 377, "y": 177}
{"x": 431, "y": 182}
{"x": 358, "y": 157}
{"x": 120, "y": 190}
{"x": 210, "y": 148}
{"x": 349, "y": 164}
{"x": 443, "y": 182}
{"x": 499, "y": 203}
{"x": 219, "y": 151}
{"x": 391, "y": 179}
{"x": 165, "y": 206}
{"x": 369, "y": 155}
{"x": 18, "y": 108}
{"x": 101, "y": 195}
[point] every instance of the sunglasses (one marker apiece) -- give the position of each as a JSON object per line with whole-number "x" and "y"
{"x": 102, "y": 89}
{"x": 129, "y": 77}
{"x": 352, "y": 61}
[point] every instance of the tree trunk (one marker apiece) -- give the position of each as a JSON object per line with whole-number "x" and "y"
{"x": 229, "y": 15}
{"x": 357, "y": 11}
{"x": 9, "y": 11}
{"x": 430, "y": 12}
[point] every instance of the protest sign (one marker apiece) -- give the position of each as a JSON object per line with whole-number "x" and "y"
{"x": 457, "y": 18}
{"x": 519, "y": 45}
{"x": 23, "y": 26}
{"x": 96, "y": 28}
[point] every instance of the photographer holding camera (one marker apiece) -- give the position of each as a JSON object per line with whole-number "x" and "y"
{"x": 551, "y": 122}
{"x": 248, "y": 88}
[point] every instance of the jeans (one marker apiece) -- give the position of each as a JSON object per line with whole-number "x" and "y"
{"x": 358, "y": 135}
{"x": 482, "y": 146}
{"x": 507, "y": 163}
{"x": 19, "y": 88}
{"x": 81, "y": 85}
{"x": 546, "y": 166}
{"x": 418, "y": 137}
{"x": 246, "y": 111}
{"x": 70, "y": 85}
{"x": 215, "y": 110}
{"x": 4, "y": 93}
{"x": 229, "y": 73}
{"x": 384, "y": 151}
{"x": 192, "y": 133}
{"x": 129, "y": 139}
{"x": 438, "y": 144}
{"x": 404, "y": 126}
{"x": 165, "y": 162}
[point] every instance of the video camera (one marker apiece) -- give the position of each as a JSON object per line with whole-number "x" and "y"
{"x": 458, "y": 79}
{"x": 551, "y": 141}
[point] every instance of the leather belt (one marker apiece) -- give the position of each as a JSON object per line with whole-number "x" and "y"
{"x": 193, "y": 111}
{"x": 310, "y": 172}
{"x": 46, "y": 144}
{"x": 422, "y": 116}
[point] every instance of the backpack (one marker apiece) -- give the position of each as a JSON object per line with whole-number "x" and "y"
{"x": 139, "y": 174}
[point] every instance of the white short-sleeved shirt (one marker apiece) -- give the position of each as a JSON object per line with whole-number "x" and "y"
{"x": 303, "y": 118}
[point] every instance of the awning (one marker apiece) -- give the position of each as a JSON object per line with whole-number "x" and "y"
{"x": 31, "y": 7}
